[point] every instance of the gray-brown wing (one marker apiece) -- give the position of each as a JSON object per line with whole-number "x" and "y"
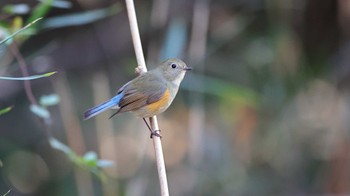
{"x": 140, "y": 92}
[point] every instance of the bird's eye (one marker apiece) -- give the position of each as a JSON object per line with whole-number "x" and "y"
{"x": 173, "y": 65}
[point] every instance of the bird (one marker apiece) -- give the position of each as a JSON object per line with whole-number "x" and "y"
{"x": 147, "y": 95}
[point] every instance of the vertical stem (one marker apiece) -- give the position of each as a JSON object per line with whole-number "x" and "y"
{"x": 74, "y": 134}
{"x": 22, "y": 64}
{"x": 100, "y": 88}
{"x": 160, "y": 159}
{"x": 135, "y": 34}
{"x": 154, "y": 123}
{"x": 159, "y": 17}
{"x": 197, "y": 50}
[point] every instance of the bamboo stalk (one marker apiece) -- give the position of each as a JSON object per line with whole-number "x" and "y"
{"x": 154, "y": 123}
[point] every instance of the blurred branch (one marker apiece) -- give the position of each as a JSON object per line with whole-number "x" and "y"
{"x": 159, "y": 16}
{"x": 200, "y": 22}
{"x": 29, "y": 77}
{"x": 23, "y": 66}
{"x": 74, "y": 134}
{"x": 197, "y": 50}
{"x": 100, "y": 89}
{"x": 154, "y": 124}
{"x": 160, "y": 12}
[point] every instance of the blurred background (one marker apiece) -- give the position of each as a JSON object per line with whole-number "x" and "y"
{"x": 264, "y": 112}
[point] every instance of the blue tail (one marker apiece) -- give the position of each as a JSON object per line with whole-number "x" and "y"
{"x": 102, "y": 107}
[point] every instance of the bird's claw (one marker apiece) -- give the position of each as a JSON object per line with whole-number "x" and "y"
{"x": 155, "y": 133}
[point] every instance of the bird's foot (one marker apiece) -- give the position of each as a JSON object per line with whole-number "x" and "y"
{"x": 155, "y": 133}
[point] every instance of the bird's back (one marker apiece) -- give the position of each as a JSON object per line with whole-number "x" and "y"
{"x": 147, "y": 95}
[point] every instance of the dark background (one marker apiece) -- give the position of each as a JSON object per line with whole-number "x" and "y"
{"x": 264, "y": 112}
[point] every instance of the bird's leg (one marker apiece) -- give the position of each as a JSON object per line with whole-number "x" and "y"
{"x": 153, "y": 132}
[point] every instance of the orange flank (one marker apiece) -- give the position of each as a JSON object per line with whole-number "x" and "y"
{"x": 160, "y": 104}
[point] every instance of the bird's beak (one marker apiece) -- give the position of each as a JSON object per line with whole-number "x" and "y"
{"x": 187, "y": 68}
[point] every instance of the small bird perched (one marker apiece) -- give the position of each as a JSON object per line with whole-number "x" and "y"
{"x": 149, "y": 94}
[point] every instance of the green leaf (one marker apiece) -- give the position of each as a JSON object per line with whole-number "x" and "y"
{"x": 7, "y": 192}
{"x": 16, "y": 9}
{"x": 89, "y": 161}
{"x": 105, "y": 163}
{"x": 90, "y": 156}
{"x": 80, "y": 18}
{"x": 28, "y": 77}
{"x": 41, "y": 10}
{"x": 40, "y": 111}
{"x": 19, "y": 31}
{"x": 49, "y": 100}
{"x": 60, "y": 4}
{"x": 5, "y": 110}
{"x": 59, "y": 146}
